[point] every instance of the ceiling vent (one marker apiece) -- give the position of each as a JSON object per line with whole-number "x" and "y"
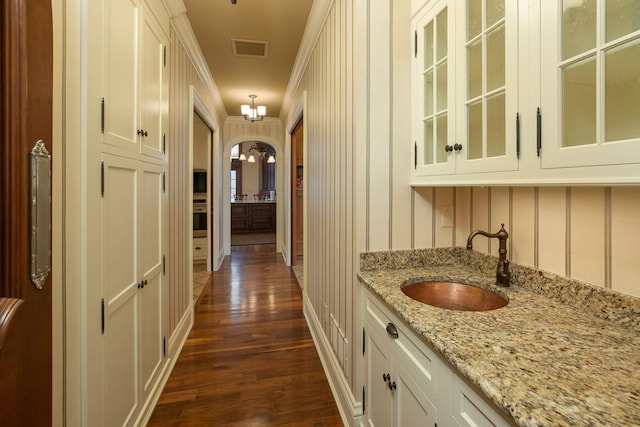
{"x": 252, "y": 48}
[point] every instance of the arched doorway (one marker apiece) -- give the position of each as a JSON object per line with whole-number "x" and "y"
{"x": 252, "y": 193}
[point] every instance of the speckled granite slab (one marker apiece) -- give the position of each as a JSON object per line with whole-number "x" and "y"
{"x": 561, "y": 353}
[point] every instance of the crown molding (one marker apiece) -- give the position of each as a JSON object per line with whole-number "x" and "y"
{"x": 182, "y": 27}
{"x": 315, "y": 22}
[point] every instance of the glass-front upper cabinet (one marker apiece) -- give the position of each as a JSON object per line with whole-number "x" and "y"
{"x": 433, "y": 95}
{"x": 465, "y": 80}
{"x": 590, "y": 82}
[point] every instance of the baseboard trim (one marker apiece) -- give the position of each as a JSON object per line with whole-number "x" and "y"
{"x": 350, "y": 409}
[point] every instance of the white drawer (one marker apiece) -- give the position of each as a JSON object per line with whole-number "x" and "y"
{"x": 200, "y": 249}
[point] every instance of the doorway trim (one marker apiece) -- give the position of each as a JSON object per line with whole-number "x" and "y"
{"x": 297, "y": 114}
{"x": 198, "y": 106}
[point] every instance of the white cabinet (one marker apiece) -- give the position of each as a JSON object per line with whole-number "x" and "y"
{"x": 135, "y": 80}
{"x": 200, "y": 249}
{"x": 407, "y": 384}
{"x": 590, "y": 83}
{"x": 132, "y": 221}
{"x": 465, "y": 95}
{"x": 471, "y": 410}
{"x": 525, "y": 92}
{"x": 400, "y": 377}
{"x": 126, "y": 207}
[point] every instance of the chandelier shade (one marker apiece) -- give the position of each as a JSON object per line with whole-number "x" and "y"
{"x": 261, "y": 150}
{"x": 251, "y": 112}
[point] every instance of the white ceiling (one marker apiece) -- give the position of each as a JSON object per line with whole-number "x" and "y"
{"x": 281, "y": 23}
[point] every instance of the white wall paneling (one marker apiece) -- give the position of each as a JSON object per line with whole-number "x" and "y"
{"x": 522, "y": 230}
{"x": 625, "y": 234}
{"x": 184, "y": 77}
{"x": 330, "y": 177}
{"x": 552, "y": 229}
{"x": 587, "y": 234}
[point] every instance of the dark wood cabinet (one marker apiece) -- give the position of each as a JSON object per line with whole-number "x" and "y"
{"x": 268, "y": 178}
{"x": 253, "y": 217}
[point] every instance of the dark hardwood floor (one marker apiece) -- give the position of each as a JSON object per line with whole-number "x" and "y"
{"x": 249, "y": 359}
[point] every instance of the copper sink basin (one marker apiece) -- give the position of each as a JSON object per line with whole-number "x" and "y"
{"x": 454, "y": 296}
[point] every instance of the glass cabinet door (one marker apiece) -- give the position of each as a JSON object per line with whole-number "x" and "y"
{"x": 487, "y": 74}
{"x": 433, "y": 92}
{"x": 590, "y": 57}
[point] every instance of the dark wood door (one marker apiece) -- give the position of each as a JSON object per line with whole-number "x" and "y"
{"x": 296, "y": 192}
{"x": 25, "y": 117}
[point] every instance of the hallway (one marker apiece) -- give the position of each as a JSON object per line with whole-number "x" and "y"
{"x": 249, "y": 359}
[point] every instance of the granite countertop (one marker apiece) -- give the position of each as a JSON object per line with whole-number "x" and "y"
{"x": 561, "y": 353}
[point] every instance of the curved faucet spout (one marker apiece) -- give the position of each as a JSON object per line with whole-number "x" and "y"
{"x": 502, "y": 275}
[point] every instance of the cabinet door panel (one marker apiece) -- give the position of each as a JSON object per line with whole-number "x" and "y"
{"x": 151, "y": 82}
{"x": 470, "y": 410}
{"x": 589, "y": 93}
{"x": 120, "y": 364}
{"x": 487, "y": 81}
{"x": 413, "y": 407}
{"x": 379, "y": 401}
{"x": 120, "y": 260}
{"x": 120, "y": 59}
{"x": 433, "y": 73}
{"x": 150, "y": 295}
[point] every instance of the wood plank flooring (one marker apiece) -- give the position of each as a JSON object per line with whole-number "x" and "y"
{"x": 249, "y": 359}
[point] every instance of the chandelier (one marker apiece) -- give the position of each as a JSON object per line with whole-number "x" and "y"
{"x": 262, "y": 150}
{"x": 253, "y": 113}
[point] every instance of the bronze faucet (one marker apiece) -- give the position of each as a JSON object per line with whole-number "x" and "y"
{"x": 502, "y": 274}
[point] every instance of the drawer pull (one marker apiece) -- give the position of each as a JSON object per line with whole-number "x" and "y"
{"x": 391, "y": 330}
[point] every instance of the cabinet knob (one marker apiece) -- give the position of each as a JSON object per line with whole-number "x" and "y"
{"x": 457, "y": 147}
{"x": 448, "y": 148}
{"x": 142, "y": 132}
{"x": 386, "y": 377}
{"x": 392, "y": 330}
{"x": 392, "y": 386}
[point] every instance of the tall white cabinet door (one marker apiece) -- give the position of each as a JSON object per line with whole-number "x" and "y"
{"x": 151, "y": 86}
{"x": 150, "y": 294}
{"x": 120, "y": 238}
{"x": 121, "y": 22}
